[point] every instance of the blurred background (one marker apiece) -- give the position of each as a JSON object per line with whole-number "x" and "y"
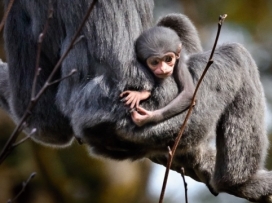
{"x": 72, "y": 176}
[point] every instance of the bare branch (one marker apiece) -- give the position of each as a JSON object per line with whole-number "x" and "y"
{"x": 78, "y": 39}
{"x": 170, "y": 155}
{"x": 8, "y": 146}
{"x": 169, "y": 151}
{"x": 23, "y": 188}
{"x": 6, "y": 14}
{"x": 185, "y": 184}
{"x": 74, "y": 40}
{"x": 189, "y": 112}
{"x": 65, "y": 77}
{"x": 220, "y": 23}
{"x": 34, "y": 130}
{"x": 40, "y": 40}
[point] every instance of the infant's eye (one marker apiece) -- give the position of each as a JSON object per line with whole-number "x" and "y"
{"x": 154, "y": 62}
{"x": 168, "y": 59}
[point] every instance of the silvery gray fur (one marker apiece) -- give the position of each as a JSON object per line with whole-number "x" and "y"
{"x": 230, "y": 105}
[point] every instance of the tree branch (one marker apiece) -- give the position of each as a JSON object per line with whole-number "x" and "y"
{"x": 23, "y": 188}
{"x": 40, "y": 40}
{"x": 178, "y": 138}
{"x": 63, "y": 78}
{"x": 6, "y": 14}
{"x": 24, "y": 139}
{"x": 185, "y": 184}
{"x": 8, "y": 146}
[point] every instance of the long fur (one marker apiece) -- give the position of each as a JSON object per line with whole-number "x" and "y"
{"x": 230, "y": 105}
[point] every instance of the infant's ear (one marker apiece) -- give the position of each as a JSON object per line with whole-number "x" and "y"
{"x": 179, "y": 50}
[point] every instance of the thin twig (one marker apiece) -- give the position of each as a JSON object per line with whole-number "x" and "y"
{"x": 6, "y": 14}
{"x": 23, "y": 188}
{"x": 185, "y": 184}
{"x": 40, "y": 40}
{"x": 79, "y": 39}
{"x": 63, "y": 78}
{"x": 177, "y": 140}
{"x": 8, "y": 146}
{"x": 34, "y": 130}
{"x": 168, "y": 165}
{"x": 74, "y": 40}
{"x": 21, "y": 125}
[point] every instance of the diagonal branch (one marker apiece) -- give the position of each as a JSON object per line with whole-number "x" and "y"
{"x": 6, "y": 14}
{"x": 32, "y": 175}
{"x": 185, "y": 184}
{"x": 178, "y": 138}
{"x": 63, "y": 78}
{"x": 34, "y": 130}
{"x": 8, "y": 146}
{"x": 40, "y": 40}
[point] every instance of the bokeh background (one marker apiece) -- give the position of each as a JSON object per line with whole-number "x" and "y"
{"x": 71, "y": 175}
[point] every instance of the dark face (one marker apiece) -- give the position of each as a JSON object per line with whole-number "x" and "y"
{"x": 162, "y": 67}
